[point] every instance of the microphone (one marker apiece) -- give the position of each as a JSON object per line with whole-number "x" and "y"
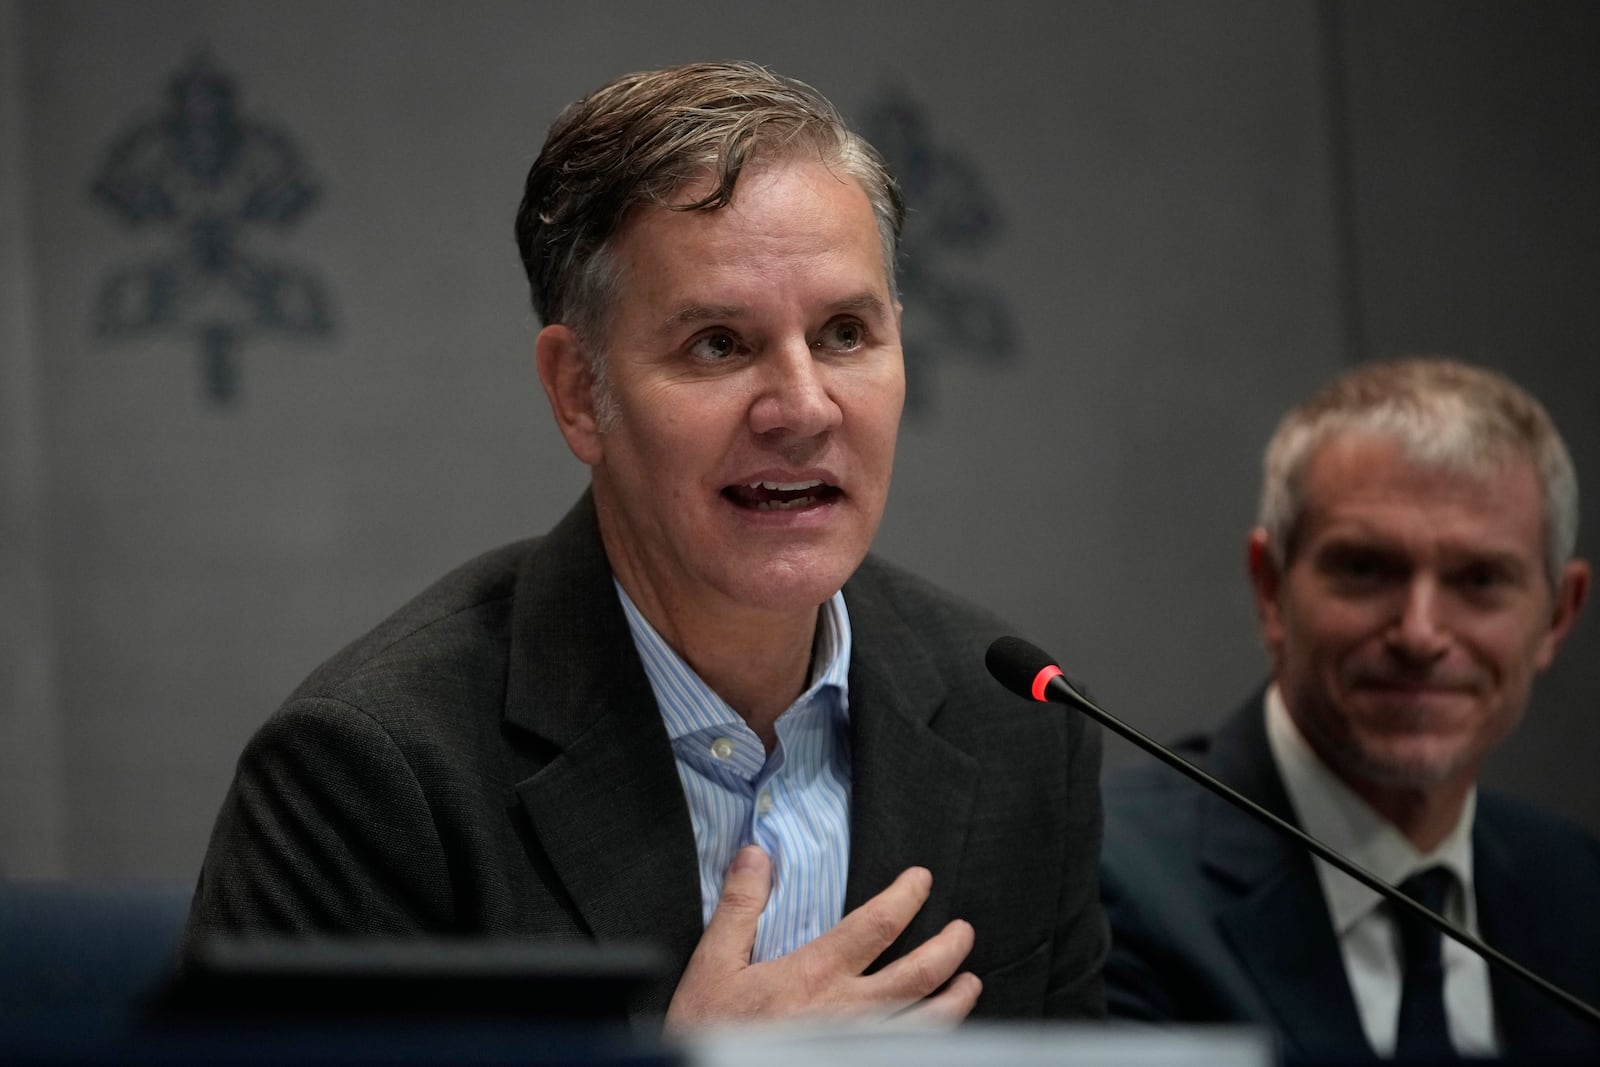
{"x": 1028, "y": 672}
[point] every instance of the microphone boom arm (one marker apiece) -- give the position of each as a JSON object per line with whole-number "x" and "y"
{"x": 1063, "y": 692}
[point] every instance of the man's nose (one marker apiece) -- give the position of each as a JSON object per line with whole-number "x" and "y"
{"x": 1418, "y": 630}
{"x": 794, "y": 398}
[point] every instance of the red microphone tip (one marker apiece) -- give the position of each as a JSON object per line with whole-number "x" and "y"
{"x": 1042, "y": 679}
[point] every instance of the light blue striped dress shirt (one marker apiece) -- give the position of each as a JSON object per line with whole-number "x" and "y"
{"x": 795, "y": 803}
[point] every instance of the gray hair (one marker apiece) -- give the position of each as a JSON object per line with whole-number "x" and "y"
{"x": 1443, "y": 414}
{"x": 641, "y": 139}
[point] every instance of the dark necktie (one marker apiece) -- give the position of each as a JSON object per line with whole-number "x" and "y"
{"x": 1424, "y": 1033}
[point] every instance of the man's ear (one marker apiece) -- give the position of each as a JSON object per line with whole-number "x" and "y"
{"x": 1266, "y": 582}
{"x": 1570, "y": 594}
{"x": 569, "y": 386}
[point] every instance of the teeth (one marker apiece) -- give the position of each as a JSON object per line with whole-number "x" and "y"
{"x": 785, "y": 487}
{"x": 786, "y": 505}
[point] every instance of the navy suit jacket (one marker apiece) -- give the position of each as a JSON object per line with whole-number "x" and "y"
{"x": 1218, "y": 918}
{"x": 491, "y": 761}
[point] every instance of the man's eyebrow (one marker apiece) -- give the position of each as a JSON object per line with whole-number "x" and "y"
{"x": 867, "y": 301}
{"x": 1451, "y": 554}
{"x": 1344, "y": 543}
{"x": 1507, "y": 560}
{"x": 693, "y": 314}
{"x": 690, "y": 314}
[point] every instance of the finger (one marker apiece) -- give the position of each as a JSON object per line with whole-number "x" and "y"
{"x": 731, "y": 933}
{"x": 920, "y": 972}
{"x": 861, "y": 936}
{"x": 949, "y": 1006}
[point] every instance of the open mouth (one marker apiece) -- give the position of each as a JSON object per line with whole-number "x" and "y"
{"x": 781, "y": 496}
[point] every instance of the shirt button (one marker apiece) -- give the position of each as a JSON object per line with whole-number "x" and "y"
{"x": 722, "y": 748}
{"x": 764, "y": 802}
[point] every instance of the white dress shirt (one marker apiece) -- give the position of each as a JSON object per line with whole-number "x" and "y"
{"x": 1330, "y": 811}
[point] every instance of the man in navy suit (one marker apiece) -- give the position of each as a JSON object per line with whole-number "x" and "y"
{"x": 696, "y": 714}
{"x": 1412, "y": 572}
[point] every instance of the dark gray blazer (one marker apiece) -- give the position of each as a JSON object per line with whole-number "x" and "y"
{"x": 1216, "y": 918}
{"x": 490, "y": 761}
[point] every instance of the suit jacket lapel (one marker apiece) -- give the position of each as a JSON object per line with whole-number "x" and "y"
{"x": 1517, "y": 1004}
{"x": 607, "y": 807}
{"x": 1511, "y": 920}
{"x": 1274, "y": 915}
{"x": 912, "y": 792}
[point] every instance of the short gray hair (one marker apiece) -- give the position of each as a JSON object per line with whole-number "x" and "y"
{"x": 1443, "y": 413}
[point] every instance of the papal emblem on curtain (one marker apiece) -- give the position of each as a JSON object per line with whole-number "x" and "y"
{"x": 203, "y": 179}
{"x": 953, "y": 218}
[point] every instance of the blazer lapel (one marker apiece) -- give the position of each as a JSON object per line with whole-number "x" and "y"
{"x": 1519, "y": 918}
{"x": 1274, "y": 915}
{"x": 912, "y": 792}
{"x": 607, "y": 808}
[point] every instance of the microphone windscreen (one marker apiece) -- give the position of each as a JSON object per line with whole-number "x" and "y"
{"x": 1015, "y": 663}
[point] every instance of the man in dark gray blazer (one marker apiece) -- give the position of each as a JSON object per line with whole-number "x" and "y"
{"x": 1413, "y": 572}
{"x": 696, "y": 714}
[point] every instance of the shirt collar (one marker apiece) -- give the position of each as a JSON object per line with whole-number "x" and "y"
{"x": 1332, "y": 812}
{"x": 688, "y": 704}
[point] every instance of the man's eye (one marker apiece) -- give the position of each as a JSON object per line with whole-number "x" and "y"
{"x": 714, "y": 347}
{"x": 845, "y": 335}
{"x": 1481, "y": 577}
{"x": 1359, "y": 567}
